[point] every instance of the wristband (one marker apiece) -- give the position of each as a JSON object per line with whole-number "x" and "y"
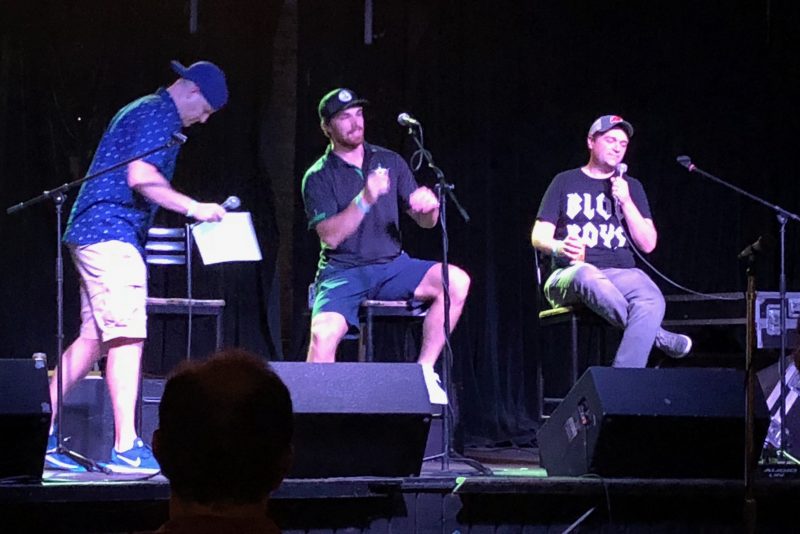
{"x": 191, "y": 208}
{"x": 557, "y": 248}
{"x": 362, "y": 206}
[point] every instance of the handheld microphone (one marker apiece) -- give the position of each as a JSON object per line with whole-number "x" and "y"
{"x": 621, "y": 169}
{"x": 231, "y": 203}
{"x": 686, "y": 161}
{"x": 178, "y": 138}
{"x": 404, "y": 119}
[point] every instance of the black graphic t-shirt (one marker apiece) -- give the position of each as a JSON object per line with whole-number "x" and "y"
{"x": 583, "y": 206}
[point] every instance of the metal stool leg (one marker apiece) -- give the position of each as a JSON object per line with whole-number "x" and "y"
{"x": 391, "y": 311}
{"x": 219, "y": 330}
{"x": 573, "y": 357}
{"x": 368, "y": 346}
{"x": 540, "y": 386}
{"x": 362, "y": 342}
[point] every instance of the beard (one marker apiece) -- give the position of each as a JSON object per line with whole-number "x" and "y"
{"x": 352, "y": 139}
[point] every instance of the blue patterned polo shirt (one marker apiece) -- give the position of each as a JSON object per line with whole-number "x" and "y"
{"x": 107, "y": 209}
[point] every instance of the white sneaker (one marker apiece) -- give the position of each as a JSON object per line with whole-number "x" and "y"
{"x": 672, "y": 344}
{"x": 436, "y": 394}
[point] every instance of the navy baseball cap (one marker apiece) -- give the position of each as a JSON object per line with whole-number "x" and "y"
{"x": 209, "y": 78}
{"x": 607, "y": 122}
{"x": 337, "y": 100}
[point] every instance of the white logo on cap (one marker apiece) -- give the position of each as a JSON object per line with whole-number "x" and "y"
{"x": 345, "y": 96}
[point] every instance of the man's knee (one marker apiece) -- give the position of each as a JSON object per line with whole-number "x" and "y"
{"x": 585, "y": 277}
{"x": 649, "y": 295}
{"x": 87, "y": 344}
{"x": 459, "y": 283}
{"x": 327, "y": 329}
{"x": 123, "y": 341}
{"x": 652, "y": 302}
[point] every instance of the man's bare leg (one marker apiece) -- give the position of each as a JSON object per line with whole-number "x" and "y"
{"x": 76, "y": 363}
{"x": 433, "y": 328}
{"x": 122, "y": 375}
{"x": 327, "y": 330}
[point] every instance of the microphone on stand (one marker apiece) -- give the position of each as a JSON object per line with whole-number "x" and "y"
{"x": 231, "y": 203}
{"x": 686, "y": 161}
{"x": 763, "y": 244}
{"x": 404, "y": 119}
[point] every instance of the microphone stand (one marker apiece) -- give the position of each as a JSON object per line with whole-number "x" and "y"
{"x": 444, "y": 190}
{"x": 750, "y": 505}
{"x": 783, "y": 217}
{"x": 59, "y": 196}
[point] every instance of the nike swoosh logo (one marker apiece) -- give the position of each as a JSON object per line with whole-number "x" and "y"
{"x": 131, "y": 463}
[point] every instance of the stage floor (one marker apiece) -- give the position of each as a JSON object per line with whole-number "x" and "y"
{"x": 517, "y": 496}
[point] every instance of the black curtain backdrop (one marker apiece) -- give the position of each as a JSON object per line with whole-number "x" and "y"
{"x": 65, "y": 69}
{"x": 506, "y": 91}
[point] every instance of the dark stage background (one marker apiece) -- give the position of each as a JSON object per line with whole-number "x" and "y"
{"x": 506, "y": 91}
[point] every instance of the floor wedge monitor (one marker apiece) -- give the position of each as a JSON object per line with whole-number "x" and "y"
{"x": 24, "y": 418}
{"x": 652, "y": 423}
{"x": 357, "y": 419}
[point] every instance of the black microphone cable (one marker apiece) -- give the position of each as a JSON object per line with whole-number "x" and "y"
{"x": 421, "y": 154}
{"x": 673, "y": 283}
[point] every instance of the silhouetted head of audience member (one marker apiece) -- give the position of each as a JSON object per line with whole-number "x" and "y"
{"x": 225, "y": 431}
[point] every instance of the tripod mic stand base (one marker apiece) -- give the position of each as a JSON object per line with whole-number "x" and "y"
{"x": 87, "y": 463}
{"x": 470, "y": 465}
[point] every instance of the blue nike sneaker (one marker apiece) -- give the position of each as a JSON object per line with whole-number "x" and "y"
{"x": 138, "y": 459}
{"x": 59, "y": 461}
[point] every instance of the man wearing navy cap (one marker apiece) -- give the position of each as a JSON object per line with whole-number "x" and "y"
{"x": 106, "y": 234}
{"x": 353, "y": 195}
{"x": 580, "y": 225}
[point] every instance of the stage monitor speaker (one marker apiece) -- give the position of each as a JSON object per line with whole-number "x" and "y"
{"x": 652, "y": 423}
{"x": 87, "y": 419}
{"x": 357, "y": 419}
{"x": 24, "y": 418}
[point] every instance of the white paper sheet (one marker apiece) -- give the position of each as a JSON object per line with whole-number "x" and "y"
{"x": 231, "y": 239}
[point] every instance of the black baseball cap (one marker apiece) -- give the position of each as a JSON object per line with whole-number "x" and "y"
{"x": 337, "y": 100}
{"x": 607, "y": 122}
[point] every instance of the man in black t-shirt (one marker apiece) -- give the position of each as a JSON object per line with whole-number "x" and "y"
{"x": 580, "y": 224}
{"x": 353, "y": 196}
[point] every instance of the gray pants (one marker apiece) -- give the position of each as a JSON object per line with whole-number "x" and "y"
{"x": 627, "y": 298}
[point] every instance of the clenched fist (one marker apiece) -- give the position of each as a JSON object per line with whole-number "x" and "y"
{"x": 377, "y": 185}
{"x": 423, "y": 200}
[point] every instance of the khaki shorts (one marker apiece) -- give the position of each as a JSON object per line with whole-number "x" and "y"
{"x": 113, "y": 290}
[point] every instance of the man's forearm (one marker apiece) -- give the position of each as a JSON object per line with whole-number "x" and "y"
{"x": 542, "y": 237}
{"x": 166, "y": 197}
{"x": 334, "y": 230}
{"x": 151, "y": 184}
{"x": 642, "y": 231}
